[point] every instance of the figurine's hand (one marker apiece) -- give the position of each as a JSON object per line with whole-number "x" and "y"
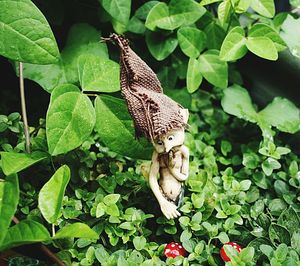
{"x": 169, "y": 209}
{"x": 174, "y": 159}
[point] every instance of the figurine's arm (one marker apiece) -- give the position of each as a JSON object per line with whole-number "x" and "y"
{"x": 182, "y": 173}
{"x": 167, "y": 208}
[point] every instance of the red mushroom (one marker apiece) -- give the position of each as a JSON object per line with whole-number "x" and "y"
{"x": 174, "y": 249}
{"x": 223, "y": 254}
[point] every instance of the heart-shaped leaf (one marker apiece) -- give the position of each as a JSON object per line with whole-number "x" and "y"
{"x": 18, "y": 40}
{"x": 70, "y": 120}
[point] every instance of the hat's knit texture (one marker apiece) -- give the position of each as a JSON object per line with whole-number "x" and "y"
{"x": 153, "y": 112}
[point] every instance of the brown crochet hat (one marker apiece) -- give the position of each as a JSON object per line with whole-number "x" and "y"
{"x": 153, "y": 112}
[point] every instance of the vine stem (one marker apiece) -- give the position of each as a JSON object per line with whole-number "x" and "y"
{"x": 23, "y": 107}
{"x": 45, "y": 250}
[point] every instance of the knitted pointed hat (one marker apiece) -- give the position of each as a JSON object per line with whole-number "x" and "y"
{"x": 153, "y": 112}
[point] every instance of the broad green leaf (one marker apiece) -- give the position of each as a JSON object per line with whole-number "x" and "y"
{"x": 213, "y": 69}
{"x": 262, "y": 47}
{"x": 256, "y": 243}
{"x": 264, "y": 30}
{"x": 79, "y": 230}
{"x": 47, "y": 76}
{"x": 98, "y": 74}
{"x": 159, "y": 47}
{"x": 18, "y": 40}
{"x": 13, "y": 162}
{"x": 290, "y": 219}
{"x": 215, "y": 35}
{"x": 241, "y": 6}
{"x": 236, "y": 101}
{"x": 61, "y": 89}
{"x": 278, "y": 233}
{"x": 113, "y": 210}
{"x": 115, "y": 128}
{"x": 191, "y": 41}
{"x": 9, "y": 199}
{"x": 82, "y": 39}
{"x": 70, "y": 120}
{"x": 283, "y": 114}
{"x": 160, "y": 12}
{"x": 208, "y": 2}
{"x": 194, "y": 77}
{"x": 178, "y": 13}
{"x": 143, "y": 11}
{"x": 224, "y": 11}
{"x": 264, "y": 7}
{"x": 139, "y": 242}
{"x": 25, "y": 232}
{"x": 290, "y": 33}
{"x": 234, "y": 45}
{"x": 269, "y": 165}
{"x": 295, "y": 241}
{"x": 52, "y": 193}
{"x": 111, "y": 199}
{"x": 118, "y": 9}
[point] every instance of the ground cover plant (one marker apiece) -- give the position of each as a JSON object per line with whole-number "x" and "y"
{"x": 76, "y": 180}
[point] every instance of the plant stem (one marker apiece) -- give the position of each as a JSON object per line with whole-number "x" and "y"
{"x": 23, "y": 106}
{"x": 53, "y": 230}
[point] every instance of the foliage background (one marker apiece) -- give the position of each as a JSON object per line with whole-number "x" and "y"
{"x": 244, "y": 182}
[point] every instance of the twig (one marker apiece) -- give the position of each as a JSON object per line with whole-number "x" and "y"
{"x": 23, "y": 106}
{"x": 45, "y": 250}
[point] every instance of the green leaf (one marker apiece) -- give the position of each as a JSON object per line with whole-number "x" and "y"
{"x": 111, "y": 199}
{"x": 70, "y": 120}
{"x": 282, "y": 114}
{"x": 61, "y": 89}
{"x": 115, "y": 128}
{"x": 208, "y": 2}
{"x": 234, "y": 45}
{"x": 236, "y": 101}
{"x": 269, "y": 165}
{"x": 278, "y": 233}
{"x": 213, "y": 69}
{"x": 13, "y": 162}
{"x": 98, "y": 74}
{"x": 9, "y": 199}
{"x": 178, "y": 13}
{"x": 191, "y": 41}
{"x": 264, "y": 30}
{"x": 79, "y": 230}
{"x": 23, "y": 233}
{"x": 18, "y": 40}
{"x": 194, "y": 77}
{"x": 264, "y": 7}
{"x": 267, "y": 250}
{"x": 159, "y": 46}
{"x": 118, "y": 9}
{"x": 139, "y": 242}
{"x": 224, "y": 11}
{"x": 223, "y": 237}
{"x": 295, "y": 241}
{"x": 215, "y": 34}
{"x": 82, "y": 39}
{"x": 262, "y": 47}
{"x": 52, "y": 193}
{"x": 290, "y": 33}
{"x": 290, "y": 219}
{"x": 113, "y": 210}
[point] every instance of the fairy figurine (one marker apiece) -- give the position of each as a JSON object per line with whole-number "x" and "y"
{"x": 162, "y": 121}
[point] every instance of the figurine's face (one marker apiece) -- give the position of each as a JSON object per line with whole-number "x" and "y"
{"x": 168, "y": 141}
